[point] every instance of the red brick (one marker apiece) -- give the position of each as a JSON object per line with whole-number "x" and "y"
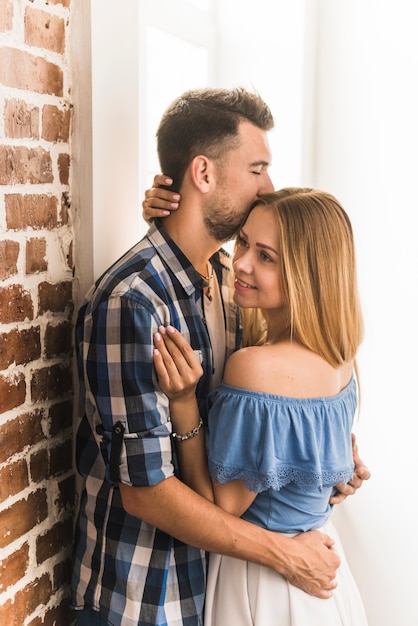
{"x": 35, "y": 255}
{"x": 25, "y": 71}
{"x": 55, "y": 298}
{"x": 44, "y": 30}
{"x": 62, "y": 573}
{"x": 22, "y": 517}
{"x": 14, "y": 478}
{"x": 17, "y": 434}
{"x": 55, "y": 124}
{"x": 19, "y": 165}
{"x": 13, "y": 568}
{"x": 58, "y": 339}
{"x": 31, "y": 211}
{"x": 6, "y": 15}
{"x": 29, "y": 160}
{"x": 39, "y": 465}
{"x": 66, "y": 499}
{"x": 61, "y": 417}
{"x": 64, "y": 168}
{"x": 21, "y": 120}
{"x": 60, "y": 458}
{"x": 25, "y": 601}
{"x": 20, "y": 346}
{"x": 61, "y": 615}
{"x": 70, "y": 260}
{"x": 9, "y": 253}
{"x": 15, "y": 304}
{"x": 47, "y": 464}
{"x": 49, "y": 383}
{"x": 12, "y": 392}
{"x": 65, "y": 207}
{"x": 54, "y": 540}
{"x": 65, "y": 3}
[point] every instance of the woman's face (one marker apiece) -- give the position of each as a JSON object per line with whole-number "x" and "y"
{"x": 257, "y": 262}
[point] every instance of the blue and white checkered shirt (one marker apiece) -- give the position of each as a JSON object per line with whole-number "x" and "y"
{"x": 133, "y": 573}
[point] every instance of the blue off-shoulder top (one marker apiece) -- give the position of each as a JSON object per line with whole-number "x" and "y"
{"x": 290, "y": 451}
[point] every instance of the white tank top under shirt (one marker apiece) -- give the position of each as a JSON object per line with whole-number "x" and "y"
{"x": 215, "y": 324}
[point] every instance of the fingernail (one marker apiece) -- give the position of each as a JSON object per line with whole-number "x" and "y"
{"x": 176, "y": 197}
{"x": 161, "y": 329}
{"x": 157, "y": 337}
{"x": 175, "y": 205}
{"x": 167, "y": 212}
{"x": 170, "y": 329}
{"x": 156, "y": 352}
{"x": 169, "y": 181}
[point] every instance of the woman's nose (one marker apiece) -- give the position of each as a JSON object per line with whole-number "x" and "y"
{"x": 242, "y": 263}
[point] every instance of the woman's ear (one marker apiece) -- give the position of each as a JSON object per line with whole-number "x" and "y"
{"x": 201, "y": 172}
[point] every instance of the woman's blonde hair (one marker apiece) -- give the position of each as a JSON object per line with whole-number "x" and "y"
{"x": 317, "y": 253}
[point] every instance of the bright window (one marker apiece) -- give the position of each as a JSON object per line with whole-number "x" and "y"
{"x": 160, "y": 88}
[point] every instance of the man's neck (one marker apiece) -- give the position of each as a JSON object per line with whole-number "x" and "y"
{"x": 191, "y": 236}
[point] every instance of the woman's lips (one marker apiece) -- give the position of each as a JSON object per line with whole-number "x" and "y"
{"x": 241, "y": 285}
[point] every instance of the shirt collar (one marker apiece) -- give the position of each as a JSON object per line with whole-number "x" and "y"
{"x": 174, "y": 258}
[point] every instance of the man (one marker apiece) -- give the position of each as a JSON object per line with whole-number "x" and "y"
{"x": 141, "y": 534}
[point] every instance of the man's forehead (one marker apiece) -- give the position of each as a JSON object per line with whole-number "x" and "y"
{"x": 256, "y": 150}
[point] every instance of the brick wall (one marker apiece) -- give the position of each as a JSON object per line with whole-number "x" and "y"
{"x": 36, "y": 285}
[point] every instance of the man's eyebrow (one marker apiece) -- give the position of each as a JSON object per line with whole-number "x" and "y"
{"x": 255, "y": 163}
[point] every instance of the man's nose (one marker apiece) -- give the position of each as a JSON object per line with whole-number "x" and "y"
{"x": 267, "y": 186}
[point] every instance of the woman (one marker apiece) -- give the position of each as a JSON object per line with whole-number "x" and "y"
{"x": 279, "y": 427}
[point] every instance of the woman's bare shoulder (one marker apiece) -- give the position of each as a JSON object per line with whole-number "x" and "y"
{"x": 247, "y": 367}
{"x": 285, "y": 369}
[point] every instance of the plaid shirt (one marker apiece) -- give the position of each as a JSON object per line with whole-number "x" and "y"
{"x": 133, "y": 573}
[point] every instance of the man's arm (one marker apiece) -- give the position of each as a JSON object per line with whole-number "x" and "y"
{"x": 308, "y": 561}
{"x": 361, "y": 473}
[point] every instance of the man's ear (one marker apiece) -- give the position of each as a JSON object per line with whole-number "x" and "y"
{"x": 202, "y": 172}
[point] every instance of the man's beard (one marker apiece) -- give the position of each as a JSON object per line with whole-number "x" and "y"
{"x": 222, "y": 231}
{"x": 222, "y": 222}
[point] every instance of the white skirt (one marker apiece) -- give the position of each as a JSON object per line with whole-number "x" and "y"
{"x": 239, "y": 593}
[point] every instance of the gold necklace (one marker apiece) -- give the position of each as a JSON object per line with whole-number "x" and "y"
{"x": 207, "y": 280}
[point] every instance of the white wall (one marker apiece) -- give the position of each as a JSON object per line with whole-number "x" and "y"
{"x": 81, "y": 149}
{"x": 261, "y": 46}
{"x": 115, "y": 105}
{"x": 366, "y": 137}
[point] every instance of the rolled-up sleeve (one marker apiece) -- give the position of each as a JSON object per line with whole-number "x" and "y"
{"x": 123, "y": 390}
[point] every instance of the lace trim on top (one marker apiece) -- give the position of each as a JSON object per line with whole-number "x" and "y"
{"x": 279, "y": 478}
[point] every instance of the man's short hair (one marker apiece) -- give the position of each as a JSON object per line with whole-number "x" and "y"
{"x": 206, "y": 121}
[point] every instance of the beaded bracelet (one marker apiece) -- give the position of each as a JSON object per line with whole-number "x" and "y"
{"x": 190, "y": 434}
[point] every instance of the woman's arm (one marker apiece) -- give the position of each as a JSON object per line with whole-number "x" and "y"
{"x": 233, "y": 496}
{"x": 159, "y": 201}
{"x": 178, "y": 372}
